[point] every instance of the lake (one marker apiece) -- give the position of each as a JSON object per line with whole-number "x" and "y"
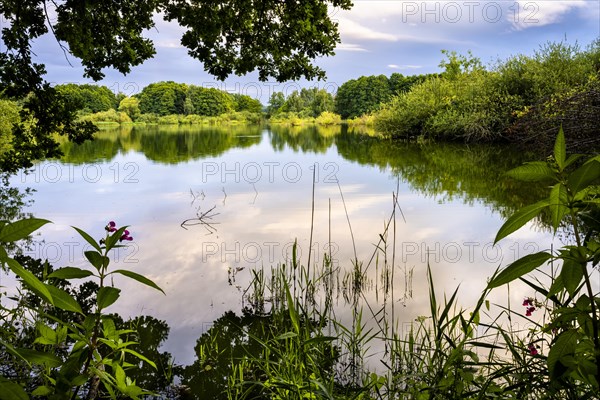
{"x": 206, "y": 205}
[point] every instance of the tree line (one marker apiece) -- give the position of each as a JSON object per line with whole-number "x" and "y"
{"x": 521, "y": 99}
{"x": 160, "y": 98}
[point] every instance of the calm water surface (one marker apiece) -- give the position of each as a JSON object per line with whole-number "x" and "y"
{"x": 244, "y": 195}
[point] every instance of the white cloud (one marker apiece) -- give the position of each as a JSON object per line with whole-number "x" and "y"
{"x": 350, "y": 47}
{"x": 352, "y": 29}
{"x": 396, "y": 66}
{"x": 527, "y": 14}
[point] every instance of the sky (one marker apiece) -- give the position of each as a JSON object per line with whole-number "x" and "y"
{"x": 377, "y": 37}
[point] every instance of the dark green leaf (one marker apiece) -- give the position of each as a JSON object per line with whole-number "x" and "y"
{"x": 292, "y": 309}
{"x": 12, "y": 391}
{"x": 560, "y": 149}
{"x": 520, "y": 218}
{"x": 557, "y": 286}
{"x": 40, "y": 358}
{"x": 63, "y": 300}
{"x": 584, "y": 175}
{"x": 107, "y": 295}
{"x": 141, "y": 357}
{"x": 21, "y": 229}
{"x": 519, "y": 268}
{"x": 558, "y": 201}
{"x": 571, "y": 275}
{"x": 10, "y": 349}
{"x": 89, "y": 239}
{"x": 47, "y": 335}
{"x": 287, "y": 335}
{"x": 42, "y": 391}
{"x": 109, "y": 329}
{"x": 532, "y": 172}
{"x": 30, "y": 280}
{"x": 3, "y": 255}
{"x": 572, "y": 158}
{"x": 113, "y": 239}
{"x": 138, "y": 277}
{"x": 564, "y": 346}
{"x": 96, "y": 259}
{"x": 70, "y": 273}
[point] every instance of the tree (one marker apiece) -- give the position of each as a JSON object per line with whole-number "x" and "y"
{"x": 277, "y": 38}
{"x": 209, "y": 101}
{"x": 163, "y": 98}
{"x": 276, "y": 101}
{"x": 361, "y": 96}
{"x": 131, "y": 107}
{"x": 246, "y": 103}
{"x": 90, "y": 98}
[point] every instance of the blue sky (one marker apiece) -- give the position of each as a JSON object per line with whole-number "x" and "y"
{"x": 378, "y": 37}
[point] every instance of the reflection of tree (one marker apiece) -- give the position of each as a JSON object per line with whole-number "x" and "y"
{"x": 309, "y": 138}
{"x": 447, "y": 170}
{"x": 163, "y": 144}
{"x": 12, "y": 200}
{"x": 230, "y": 340}
{"x": 150, "y": 335}
{"x": 444, "y": 170}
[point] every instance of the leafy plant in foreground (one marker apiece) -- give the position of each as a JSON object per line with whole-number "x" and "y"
{"x": 97, "y": 353}
{"x": 574, "y": 356}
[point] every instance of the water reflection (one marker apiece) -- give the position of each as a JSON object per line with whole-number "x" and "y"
{"x": 164, "y": 144}
{"x": 258, "y": 184}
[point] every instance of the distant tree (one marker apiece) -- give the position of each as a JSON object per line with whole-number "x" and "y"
{"x": 246, "y": 103}
{"x": 131, "y": 107}
{"x": 90, "y": 98}
{"x": 360, "y": 96}
{"x": 308, "y": 102}
{"x": 9, "y": 113}
{"x": 277, "y": 38}
{"x": 163, "y": 98}
{"x": 276, "y": 101}
{"x": 322, "y": 101}
{"x": 188, "y": 106}
{"x": 294, "y": 103}
{"x": 209, "y": 101}
{"x": 456, "y": 64}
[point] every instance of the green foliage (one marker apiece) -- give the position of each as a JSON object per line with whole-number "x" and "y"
{"x": 574, "y": 327}
{"x": 117, "y": 117}
{"x": 306, "y": 103}
{"x": 71, "y": 343}
{"x": 209, "y": 101}
{"x": 131, "y": 107}
{"x": 276, "y": 101}
{"x": 280, "y": 40}
{"x": 363, "y": 95}
{"x": 246, "y": 103}
{"x": 9, "y": 115}
{"x": 89, "y": 98}
{"x": 328, "y": 118}
{"x": 468, "y": 102}
{"x": 162, "y": 98}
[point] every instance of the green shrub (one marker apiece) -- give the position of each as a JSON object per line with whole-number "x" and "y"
{"x": 172, "y": 119}
{"x": 328, "y": 118}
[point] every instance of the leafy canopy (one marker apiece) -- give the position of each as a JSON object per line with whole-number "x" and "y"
{"x": 277, "y": 38}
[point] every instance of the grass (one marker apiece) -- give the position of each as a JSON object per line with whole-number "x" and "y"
{"x": 308, "y": 352}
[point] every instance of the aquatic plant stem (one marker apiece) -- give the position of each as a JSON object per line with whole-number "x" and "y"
{"x": 588, "y": 285}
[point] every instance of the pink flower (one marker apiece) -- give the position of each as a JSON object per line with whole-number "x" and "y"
{"x": 529, "y": 311}
{"x": 532, "y": 349}
{"x": 111, "y": 227}
{"x": 126, "y": 236}
{"x": 529, "y": 303}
